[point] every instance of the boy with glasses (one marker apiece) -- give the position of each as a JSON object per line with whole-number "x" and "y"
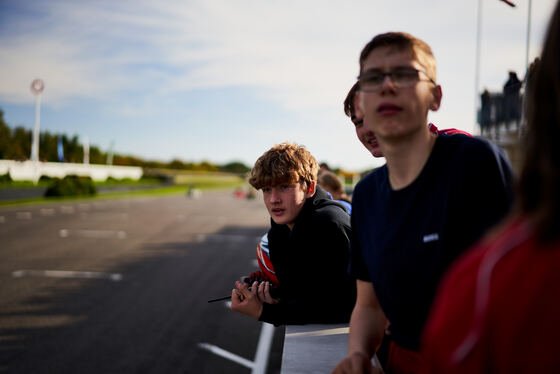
{"x": 412, "y": 217}
{"x": 369, "y": 140}
{"x": 308, "y": 244}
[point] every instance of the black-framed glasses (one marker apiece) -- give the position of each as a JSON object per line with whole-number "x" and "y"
{"x": 401, "y": 77}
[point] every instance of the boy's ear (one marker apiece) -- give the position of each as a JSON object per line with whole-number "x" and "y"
{"x": 437, "y": 98}
{"x": 310, "y": 190}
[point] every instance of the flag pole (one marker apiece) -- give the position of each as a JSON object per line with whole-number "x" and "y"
{"x": 37, "y": 87}
{"x": 477, "y": 59}
{"x": 528, "y": 37}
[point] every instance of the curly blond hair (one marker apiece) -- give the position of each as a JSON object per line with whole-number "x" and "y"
{"x": 284, "y": 163}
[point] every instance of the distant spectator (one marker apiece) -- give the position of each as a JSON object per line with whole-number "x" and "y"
{"x": 485, "y": 110}
{"x": 512, "y": 101}
{"x": 498, "y": 309}
{"x": 323, "y": 167}
{"x": 330, "y": 183}
{"x": 238, "y": 193}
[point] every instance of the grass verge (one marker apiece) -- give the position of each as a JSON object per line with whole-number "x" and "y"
{"x": 155, "y": 191}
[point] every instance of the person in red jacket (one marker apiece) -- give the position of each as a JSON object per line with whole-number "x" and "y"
{"x": 498, "y": 309}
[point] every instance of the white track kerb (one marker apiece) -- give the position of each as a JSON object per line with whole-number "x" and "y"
{"x": 258, "y": 366}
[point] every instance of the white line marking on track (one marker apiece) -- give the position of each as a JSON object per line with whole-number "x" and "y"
{"x": 23, "y": 215}
{"x": 226, "y": 237}
{"x": 115, "y": 277}
{"x": 199, "y": 238}
{"x": 104, "y": 215}
{"x": 66, "y": 209}
{"x": 228, "y": 355}
{"x": 47, "y": 211}
{"x": 263, "y": 348}
{"x": 95, "y": 234}
{"x": 83, "y": 207}
{"x": 258, "y": 366}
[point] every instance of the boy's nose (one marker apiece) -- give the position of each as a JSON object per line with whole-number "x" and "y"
{"x": 274, "y": 197}
{"x": 388, "y": 83}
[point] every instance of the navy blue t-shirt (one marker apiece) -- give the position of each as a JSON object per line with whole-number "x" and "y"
{"x": 403, "y": 240}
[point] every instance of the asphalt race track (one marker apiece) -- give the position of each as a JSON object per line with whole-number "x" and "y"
{"x": 121, "y": 286}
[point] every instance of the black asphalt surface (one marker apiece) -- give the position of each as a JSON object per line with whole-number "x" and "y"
{"x": 8, "y": 194}
{"x": 156, "y": 262}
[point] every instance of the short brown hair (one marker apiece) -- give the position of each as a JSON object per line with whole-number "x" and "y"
{"x": 349, "y": 109}
{"x": 284, "y": 163}
{"x": 403, "y": 41}
{"x": 329, "y": 181}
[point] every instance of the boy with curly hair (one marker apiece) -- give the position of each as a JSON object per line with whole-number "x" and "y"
{"x": 308, "y": 244}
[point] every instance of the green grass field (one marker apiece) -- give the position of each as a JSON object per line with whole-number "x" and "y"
{"x": 184, "y": 181}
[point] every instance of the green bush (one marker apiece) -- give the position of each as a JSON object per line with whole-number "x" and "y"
{"x": 71, "y": 185}
{"x": 5, "y": 178}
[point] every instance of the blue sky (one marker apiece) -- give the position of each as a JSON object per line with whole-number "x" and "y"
{"x": 223, "y": 80}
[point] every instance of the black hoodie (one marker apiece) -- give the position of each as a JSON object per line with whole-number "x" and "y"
{"x": 311, "y": 263}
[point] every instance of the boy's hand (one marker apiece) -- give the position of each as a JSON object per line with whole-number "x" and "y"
{"x": 264, "y": 293}
{"x": 245, "y": 300}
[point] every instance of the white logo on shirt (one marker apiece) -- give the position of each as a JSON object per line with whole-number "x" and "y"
{"x": 431, "y": 237}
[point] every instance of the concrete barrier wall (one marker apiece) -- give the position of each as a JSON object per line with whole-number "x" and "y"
{"x": 316, "y": 348}
{"x": 32, "y": 171}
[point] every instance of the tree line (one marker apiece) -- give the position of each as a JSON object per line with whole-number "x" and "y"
{"x": 15, "y": 144}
